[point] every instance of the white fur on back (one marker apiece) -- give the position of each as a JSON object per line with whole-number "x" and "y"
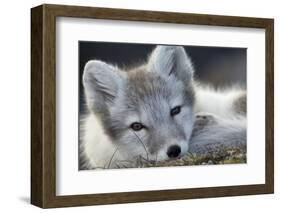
{"x": 217, "y": 102}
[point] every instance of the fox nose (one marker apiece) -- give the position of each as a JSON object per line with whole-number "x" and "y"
{"x": 173, "y": 151}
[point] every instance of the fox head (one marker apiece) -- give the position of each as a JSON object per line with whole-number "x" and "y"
{"x": 147, "y": 111}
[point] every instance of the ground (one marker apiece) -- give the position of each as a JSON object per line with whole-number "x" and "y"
{"x": 220, "y": 156}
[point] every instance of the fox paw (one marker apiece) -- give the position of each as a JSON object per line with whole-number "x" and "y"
{"x": 203, "y": 120}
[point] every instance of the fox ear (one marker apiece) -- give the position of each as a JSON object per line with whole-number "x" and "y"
{"x": 171, "y": 60}
{"x": 101, "y": 82}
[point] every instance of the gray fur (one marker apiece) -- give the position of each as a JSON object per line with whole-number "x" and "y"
{"x": 147, "y": 94}
{"x": 210, "y": 131}
{"x": 171, "y": 60}
{"x": 101, "y": 82}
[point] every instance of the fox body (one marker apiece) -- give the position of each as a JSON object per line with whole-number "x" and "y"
{"x": 155, "y": 111}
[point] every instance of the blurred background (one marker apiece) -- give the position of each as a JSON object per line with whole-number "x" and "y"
{"x": 217, "y": 66}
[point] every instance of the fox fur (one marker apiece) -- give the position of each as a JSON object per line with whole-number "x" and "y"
{"x": 170, "y": 108}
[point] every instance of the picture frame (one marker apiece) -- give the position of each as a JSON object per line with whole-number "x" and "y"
{"x": 43, "y": 105}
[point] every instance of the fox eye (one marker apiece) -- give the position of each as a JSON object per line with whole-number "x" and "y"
{"x": 176, "y": 110}
{"x": 136, "y": 126}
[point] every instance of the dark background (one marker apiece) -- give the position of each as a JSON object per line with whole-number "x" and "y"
{"x": 217, "y": 66}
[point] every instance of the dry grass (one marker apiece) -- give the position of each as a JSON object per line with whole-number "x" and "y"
{"x": 220, "y": 156}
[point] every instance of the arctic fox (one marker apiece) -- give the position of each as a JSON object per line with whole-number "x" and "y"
{"x": 156, "y": 111}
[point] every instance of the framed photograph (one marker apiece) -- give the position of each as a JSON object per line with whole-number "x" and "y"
{"x": 136, "y": 106}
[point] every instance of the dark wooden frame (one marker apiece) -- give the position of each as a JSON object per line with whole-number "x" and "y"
{"x": 43, "y": 105}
